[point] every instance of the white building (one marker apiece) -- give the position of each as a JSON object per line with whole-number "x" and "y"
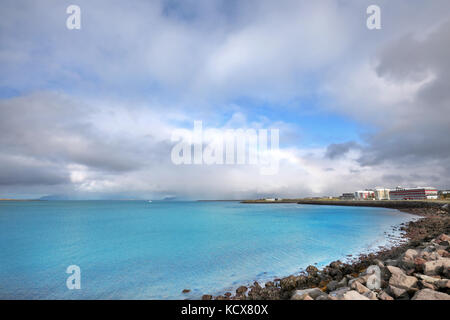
{"x": 382, "y": 194}
{"x": 364, "y": 195}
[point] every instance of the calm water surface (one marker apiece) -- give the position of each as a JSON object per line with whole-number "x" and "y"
{"x": 142, "y": 250}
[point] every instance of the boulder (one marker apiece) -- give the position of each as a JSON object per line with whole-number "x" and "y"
{"x": 379, "y": 263}
{"x": 332, "y": 285}
{"x": 241, "y": 290}
{"x": 428, "y": 294}
{"x": 394, "y": 270}
{"x": 206, "y": 297}
{"x": 407, "y": 260}
{"x": 398, "y": 293}
{"x": 436, "y": 266}
{"x": 427, "y": 278}
{"x": 443, "y": 284}
{"x": 425, "y": 285}
{"x": 354, "y": 295}
{"x": 391, "y": 262}
{"x": 443, "y": 237}
{"x": 359, "y": 287}
{"x": 338, "y": 294}
{"x": 371, "y": 295}
{"x": 323, "y": 297}
{"x": 342, "y": 283}
{"x": 301, "y": 294}
{"x": 419, "y": 264}
{"x": 403, "y": 281}
{"x": 311, "y": 270}
{"x": 384, "y": 296}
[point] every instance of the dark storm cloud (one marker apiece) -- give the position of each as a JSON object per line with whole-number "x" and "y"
{"x": 53, "y": 128}
{"x": 421, "y": 128}
{"x": 335, "y": 150}
{"x": 19, "y": 171}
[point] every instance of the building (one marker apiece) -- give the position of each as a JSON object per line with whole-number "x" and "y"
{"x": 347, "y": 196}
{"x": 365, "y": 195}
{"x": 382, "y": 194}
{"x": 418, "y": 193}
{"x": 444, "y": 194}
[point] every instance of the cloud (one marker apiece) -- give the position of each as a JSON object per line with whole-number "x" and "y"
{"x": 336, "y": 150}
{"x": 91, "y": 112}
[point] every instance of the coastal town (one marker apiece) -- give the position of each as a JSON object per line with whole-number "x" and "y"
{"x": 379, "y": 193}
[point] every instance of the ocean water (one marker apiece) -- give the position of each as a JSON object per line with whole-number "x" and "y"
{"x": 142, "y": 250}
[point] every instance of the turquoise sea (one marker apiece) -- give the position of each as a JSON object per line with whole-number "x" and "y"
{"x": 143, "y": 250}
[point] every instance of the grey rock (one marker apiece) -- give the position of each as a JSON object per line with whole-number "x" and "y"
{"x": 312, "y": 292}
{"x": 398, "y": 293}
{"x": 403, "y": 281}
{"x": 339, "y": 293}
{"x": 384, "y": 296}
{"x": 371, "y": 295}
{"x": 428, "y": 294}
{"x": 391, "y": 262}
{"x": 359, "y": 287}
{"x": 434, "y": 267}
{"x": 332, "y": 285}
{"x": 354, "y": 295}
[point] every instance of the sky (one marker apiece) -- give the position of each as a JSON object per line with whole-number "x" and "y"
{"x": 90, "y": 113}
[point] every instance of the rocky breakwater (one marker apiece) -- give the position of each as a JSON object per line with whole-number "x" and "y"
{"x": 418, "y": 270}
{"x": 421, "y": 273}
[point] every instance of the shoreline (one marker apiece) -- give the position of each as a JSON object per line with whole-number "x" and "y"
{"x": 337, "y": 280}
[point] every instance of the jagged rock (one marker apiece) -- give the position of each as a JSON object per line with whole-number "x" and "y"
{"x": 434, "y": 256}
{"x": 391, "y": 262}
{"x": 398, "y": 293}
{"x": 443, "y": 284}
{"x": 379, "y": 263}
{"x": 323, "y": 297}
{"x": 241, "y": 290}
{"x": 288, "y": 283}
{"x": 338, "y": 294}
{"x": 427, "y": 278}
{"x": 354, "y": 295}
{"x": 444, "y": 237}
{"x": 395, "y": 270}
{"x": 206, "y": 297}
{"x": 407, "y": 260}
{"x": 371, "y": 295}
{"x": 425, "y": 285}
{"x": 332, "y": 285}
{"x": 419, "y": 264}
{"x": 384, "y": 296}
{"x": 403, "y": 281}
{"x": 312, "y": 292}
{"x": 360, "y": 288}
{"x": 311, "y": 270}
{"x": 428, "y": 294}
{"x": 434, "y": 267}
{"x": 342, "y": 283}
